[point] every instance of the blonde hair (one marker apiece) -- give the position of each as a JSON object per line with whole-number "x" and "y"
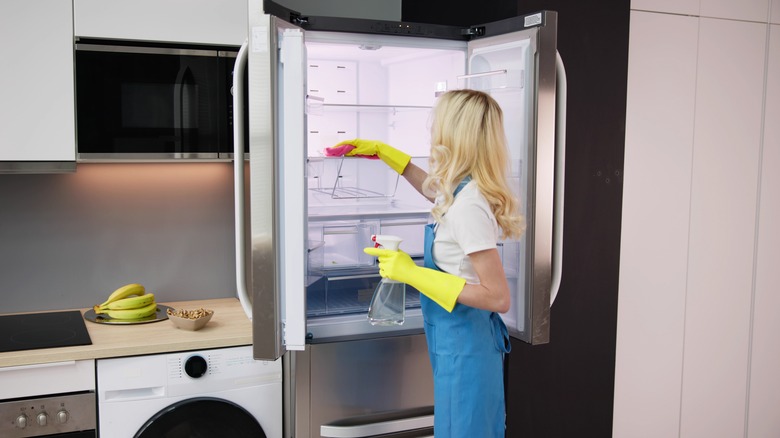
{"x": 467, "y": 138}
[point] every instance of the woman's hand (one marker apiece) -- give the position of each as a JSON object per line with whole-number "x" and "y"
{"x": 441, "y": 287}
{"x": 394, "y": 158}
{"x": 395, "y": 265}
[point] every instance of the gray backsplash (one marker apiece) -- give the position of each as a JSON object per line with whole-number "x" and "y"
{"x": 67, "y": 241}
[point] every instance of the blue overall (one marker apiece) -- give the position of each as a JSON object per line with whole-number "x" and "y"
{"x": 466, "y": 348}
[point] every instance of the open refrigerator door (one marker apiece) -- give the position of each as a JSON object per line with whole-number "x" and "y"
{"x": 522, "y": 71}
{"x": 270, "y": 242}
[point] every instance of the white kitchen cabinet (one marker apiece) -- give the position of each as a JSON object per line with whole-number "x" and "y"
{"x": 37, "y": 116}
{"x": 765, "y": 352}
{"x": 654, "y": 235}
{"x": 190, "y": 21}
{"x": 697, "y": 349}
{"x": 774, "y": 17}
{"x": 724, "y": 187}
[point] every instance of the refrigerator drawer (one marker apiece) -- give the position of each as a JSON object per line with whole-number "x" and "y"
{"x": 339, "y": 295}
{"x": 339, "y": 244}
{"x": 408, "y": 423}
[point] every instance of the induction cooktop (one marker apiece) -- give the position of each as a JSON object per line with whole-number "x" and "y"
{"x": 31, "y": 331}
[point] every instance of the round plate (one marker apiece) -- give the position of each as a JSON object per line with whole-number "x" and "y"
{"x": 160, "y": 315}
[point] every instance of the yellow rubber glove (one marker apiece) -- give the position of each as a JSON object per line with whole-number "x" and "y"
{"x": 441, "y": 287}
{"x": 394, "y": 158}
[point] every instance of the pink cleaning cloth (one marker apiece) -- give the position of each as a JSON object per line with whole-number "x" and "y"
{"x": 344, "y": 149}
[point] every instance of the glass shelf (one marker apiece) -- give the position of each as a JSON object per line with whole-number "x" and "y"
{"x": 317, "y": 106}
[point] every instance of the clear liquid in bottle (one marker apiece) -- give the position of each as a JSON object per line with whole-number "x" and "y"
{"x": 388, "y": 304}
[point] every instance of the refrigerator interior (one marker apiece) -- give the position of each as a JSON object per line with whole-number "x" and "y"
{"x": 384, "y": 88}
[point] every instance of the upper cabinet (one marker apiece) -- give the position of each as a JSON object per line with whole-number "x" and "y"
{"x": 37, "y": 120}
{"x": 191, "y": 21}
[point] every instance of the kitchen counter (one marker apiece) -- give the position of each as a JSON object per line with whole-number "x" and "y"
{"x": 228, "y": 327}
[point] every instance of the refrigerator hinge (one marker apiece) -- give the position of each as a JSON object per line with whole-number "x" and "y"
{"x": 295, "y": 18}
{"x": 473, "y": 31}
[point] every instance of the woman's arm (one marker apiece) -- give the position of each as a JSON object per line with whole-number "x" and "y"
{"x": 416, "y": 176}
{"x": 493, "y": 291}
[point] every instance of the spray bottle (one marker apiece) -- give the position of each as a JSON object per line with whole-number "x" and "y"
{"x": 389, "y": 301}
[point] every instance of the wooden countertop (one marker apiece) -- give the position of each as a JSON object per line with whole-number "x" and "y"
{"x": 228, "y": 327}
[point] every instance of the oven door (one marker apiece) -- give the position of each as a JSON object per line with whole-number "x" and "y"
{"x": 58, "y": 415}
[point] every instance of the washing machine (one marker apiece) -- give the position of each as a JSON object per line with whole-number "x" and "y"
{"x": 207, "y": 394}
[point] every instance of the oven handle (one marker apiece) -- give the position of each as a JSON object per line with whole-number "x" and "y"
{"x": 382, "y": 424}
{"x": 68, "y": 363}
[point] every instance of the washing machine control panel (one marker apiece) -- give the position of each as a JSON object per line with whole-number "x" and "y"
{"x": 196, "y": 366}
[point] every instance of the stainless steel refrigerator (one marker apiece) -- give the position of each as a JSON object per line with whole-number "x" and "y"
{"x": 303, "y": 218}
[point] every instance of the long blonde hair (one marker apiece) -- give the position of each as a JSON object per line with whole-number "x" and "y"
{"x": 467, "y": 138}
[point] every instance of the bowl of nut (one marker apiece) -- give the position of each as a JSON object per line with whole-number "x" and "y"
{"x": 190, "y": 319}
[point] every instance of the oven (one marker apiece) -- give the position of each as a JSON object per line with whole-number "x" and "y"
{"x": 150, "y": 101}
{"x": 48, "y": 400}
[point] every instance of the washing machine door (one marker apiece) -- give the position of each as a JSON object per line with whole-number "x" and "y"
{"x": 202, "y": 417}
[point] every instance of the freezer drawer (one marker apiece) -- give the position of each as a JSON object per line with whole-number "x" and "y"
{"x": 407, "y": 423}
{"x": 345, "y": 381}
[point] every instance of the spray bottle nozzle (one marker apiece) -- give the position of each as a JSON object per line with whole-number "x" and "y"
{"x": 386, "y": 241}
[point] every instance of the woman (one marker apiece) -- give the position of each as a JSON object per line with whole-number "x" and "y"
{"x": 463, "y": 281}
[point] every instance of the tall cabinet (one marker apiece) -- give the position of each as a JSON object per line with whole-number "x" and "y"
{"x": 696, "y": 337}
{"x": 37, "y": 116}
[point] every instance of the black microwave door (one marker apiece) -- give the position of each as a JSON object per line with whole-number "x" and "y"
{"x": 151, "y": 102}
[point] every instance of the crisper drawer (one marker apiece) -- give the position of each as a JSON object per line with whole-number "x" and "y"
{"x": 338, "y": 295}
{"x": 338, "y": 245}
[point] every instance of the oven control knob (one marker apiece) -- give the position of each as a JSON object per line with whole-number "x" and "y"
{"x": 21, "y": 421}
{"x": 62, "y": 416}
{"x": 42, "y": 419}
{"x": 195, "y": 366}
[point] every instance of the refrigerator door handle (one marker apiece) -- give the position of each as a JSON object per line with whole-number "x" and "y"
{"x": 238, "y": 177}
{"x": 560, "y": 165}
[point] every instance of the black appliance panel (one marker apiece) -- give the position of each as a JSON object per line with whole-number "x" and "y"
{"x": 148, "y": 100}
{"x": 31, "y": 331}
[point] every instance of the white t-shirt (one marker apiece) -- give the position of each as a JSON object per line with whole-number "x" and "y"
{"x": 468, "y": 226}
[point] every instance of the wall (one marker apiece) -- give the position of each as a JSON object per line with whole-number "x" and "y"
{"x": 565, "y": 388}
{"x": 69, "y": 240}
{"x": 697, "y": 349}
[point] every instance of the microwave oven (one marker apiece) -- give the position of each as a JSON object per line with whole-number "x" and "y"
{"x": 152, "y": 102}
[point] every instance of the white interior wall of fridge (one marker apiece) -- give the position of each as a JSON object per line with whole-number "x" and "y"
{"x": 372, "y": 90}
{"x": 386, "y": 93}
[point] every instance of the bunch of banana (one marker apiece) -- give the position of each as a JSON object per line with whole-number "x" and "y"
{"x": 128, "y": 302}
